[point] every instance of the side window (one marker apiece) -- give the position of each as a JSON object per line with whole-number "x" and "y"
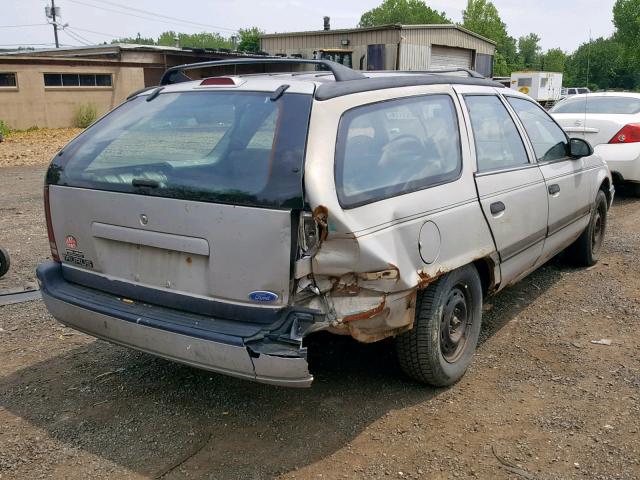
{"x": 549, "y": 140}
{"x": 498, "y": 143}
{"x": 396, "y": 147}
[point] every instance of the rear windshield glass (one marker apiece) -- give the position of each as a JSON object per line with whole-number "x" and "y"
{"x": 615, "y": 105}
{"x": 231, "y": 147}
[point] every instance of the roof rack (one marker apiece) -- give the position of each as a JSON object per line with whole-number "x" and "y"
{"x": 340, "y": 72}
{"x": 471, "y": 73}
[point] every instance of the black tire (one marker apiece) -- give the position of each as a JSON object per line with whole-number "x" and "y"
{"x": 5, "y": 262}
{"x": 586, "y": 249}
{"x": 429, "y": 353}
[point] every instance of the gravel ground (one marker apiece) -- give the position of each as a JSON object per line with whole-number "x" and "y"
{"x": 539, "y": 402}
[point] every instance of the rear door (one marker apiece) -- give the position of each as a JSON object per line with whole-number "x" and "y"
{"x": 190, "y": 193}
{"x": 568, "y": 180}
{"x": 511, "y": 188}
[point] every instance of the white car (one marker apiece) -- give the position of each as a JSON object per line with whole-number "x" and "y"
{"x": 610, "y": 122}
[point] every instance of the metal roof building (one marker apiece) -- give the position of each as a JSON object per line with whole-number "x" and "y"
{"x": 44, "y": 88}
{"x": 389, "y": 47}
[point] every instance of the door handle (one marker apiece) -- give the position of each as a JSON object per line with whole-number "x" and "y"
{"x": 554, "y": 188}
{"x": 496, "y": 208}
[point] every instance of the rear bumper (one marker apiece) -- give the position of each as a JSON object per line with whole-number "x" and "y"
{"x": 170, "y": 334}
{"x": 622, "y": 159}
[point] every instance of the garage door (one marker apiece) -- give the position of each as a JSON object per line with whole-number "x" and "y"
{"x": 448, "y": 57}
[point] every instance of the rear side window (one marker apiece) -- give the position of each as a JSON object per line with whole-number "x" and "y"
{"x": 229, "y": 147}
{"x": 613, "y": 105}
{"x": 498, "y": 143}
{"x": 396, "y": 147}
{"x": 549, "y": 140}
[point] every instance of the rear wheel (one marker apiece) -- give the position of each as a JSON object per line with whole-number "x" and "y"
{"x": 586, "y": 249}
{"x": 5, "y": 262}
{"x": 445, "y": 332}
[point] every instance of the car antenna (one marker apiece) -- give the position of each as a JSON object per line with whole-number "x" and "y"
{"x": 586, "y": 95}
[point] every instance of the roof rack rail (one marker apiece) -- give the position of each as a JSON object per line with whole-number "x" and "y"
{"x": 471, "y": 73}
{"x": 340, "y": 72}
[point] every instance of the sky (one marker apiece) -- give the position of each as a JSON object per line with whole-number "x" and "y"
{"x": 565, "y": 24}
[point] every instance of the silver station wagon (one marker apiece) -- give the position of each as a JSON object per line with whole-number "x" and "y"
{"x": 219, "y": 222}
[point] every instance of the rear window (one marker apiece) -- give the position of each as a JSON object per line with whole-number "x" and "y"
{"x": 230, "y": 147}
{"x": 614, "y": 105}
{"x": 395, "y": 147}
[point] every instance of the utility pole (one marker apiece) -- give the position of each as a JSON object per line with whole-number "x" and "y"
{"x": 55, "y": 24}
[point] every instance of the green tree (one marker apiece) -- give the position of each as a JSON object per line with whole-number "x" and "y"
{"x": 529, "y": 51}
{"x": 482, "y": 17}
{"x": 250, "y": 39}
{"x": 139, "y": 40}
{"x": 408, "y": 12}
{"x": 626, "y": 18}
{"x": 194, "y": 40}
{"x": 553, "y": 60}
{"x": 598, "y": 64}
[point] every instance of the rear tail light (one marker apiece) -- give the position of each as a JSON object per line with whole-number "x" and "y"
{"x": 47, "y": 214}
{"x": 628, "y": 134}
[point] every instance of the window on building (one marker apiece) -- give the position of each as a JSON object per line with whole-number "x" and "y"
{"x": 544, "y": 82}
{"x": 8, "y": 79}
{"x": 77, "y": 80}
{"x": 524, "y": 82}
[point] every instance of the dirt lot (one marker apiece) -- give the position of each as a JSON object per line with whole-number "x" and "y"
{"x": 540, "y": 401}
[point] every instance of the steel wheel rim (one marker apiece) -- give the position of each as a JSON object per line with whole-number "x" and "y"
{"x": 598, "y": 231}
{"x": 455, "y": 323}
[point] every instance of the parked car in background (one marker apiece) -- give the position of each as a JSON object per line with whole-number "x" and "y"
{"x": 567, "y": 92}
{"x": 220, "y": 222}
{"x": 610, "y": 121}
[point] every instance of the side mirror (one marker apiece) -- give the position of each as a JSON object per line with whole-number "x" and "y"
{"x": 579, "y": 148}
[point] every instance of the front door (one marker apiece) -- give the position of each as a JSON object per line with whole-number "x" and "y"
{"x": 567, "y": 180}
{"x": 512, "y": 190}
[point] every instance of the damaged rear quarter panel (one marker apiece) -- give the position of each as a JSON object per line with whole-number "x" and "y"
{"x": 368, "y": 267}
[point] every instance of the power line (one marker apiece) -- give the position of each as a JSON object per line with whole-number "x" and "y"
{"x": 76, "y": 39}
{"x": 21, "y": 26}
{"x": 29, "y": 44}
{"x": 76, "y": 34}
{"x": 173, "y": 22}
{"x": 111, "y": 35}
{"x": 163, "y": 16}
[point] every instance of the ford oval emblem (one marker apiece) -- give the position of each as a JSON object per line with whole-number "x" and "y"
{"x": 263, "y": 296}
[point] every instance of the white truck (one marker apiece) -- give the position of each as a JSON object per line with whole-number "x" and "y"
{"x": 544, "y": 87}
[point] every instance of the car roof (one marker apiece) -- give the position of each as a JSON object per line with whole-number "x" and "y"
{"x": 603, "y": 94}
{"x": 323, "y": 85}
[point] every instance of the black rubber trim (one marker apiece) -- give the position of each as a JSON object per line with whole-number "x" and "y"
{"x": 330, "y": 90}
{"x": 520, "y": 246}
{"x": 568, "y": 220}
{"x": 174, "y": 300}
{"x": 53, "y": 284}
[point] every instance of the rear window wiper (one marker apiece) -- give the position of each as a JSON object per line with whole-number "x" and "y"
{"x": 145, "y": 182}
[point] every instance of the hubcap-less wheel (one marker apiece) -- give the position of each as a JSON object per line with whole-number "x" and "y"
{"x": 454, "y": 324}
{"x": 598, "y": 232}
